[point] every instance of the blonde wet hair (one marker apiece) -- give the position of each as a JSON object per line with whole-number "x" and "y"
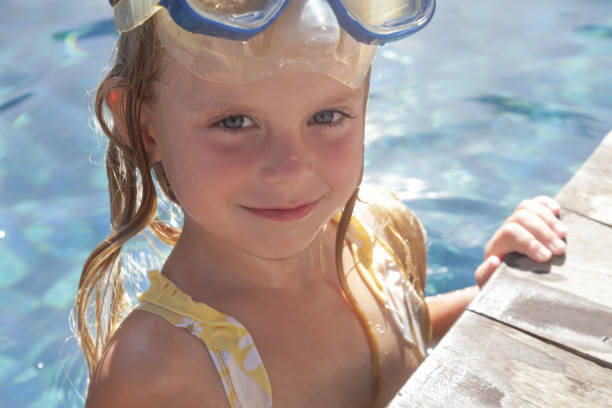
{"x": 101, "y": 302}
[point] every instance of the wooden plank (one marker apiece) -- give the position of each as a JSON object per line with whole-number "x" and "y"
{"x": 589, "y": 192}
{"x": 483, "y": 363}
{"x": 567, "y": 300}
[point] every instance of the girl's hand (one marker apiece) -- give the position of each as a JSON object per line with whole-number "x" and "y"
{"x": 533, "y": 229}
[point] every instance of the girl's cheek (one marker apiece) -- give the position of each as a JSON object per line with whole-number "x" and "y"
{"x": 198, "y": 170}
{"x": 343, "y": 162}
{"x": 226, "y": 161}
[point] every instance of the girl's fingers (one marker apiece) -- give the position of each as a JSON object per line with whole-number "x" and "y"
{"x": 533, "y": 230}
{"x": 540, "y": 230}
{"x": 513, "y": 237}
{"x": 549, "y": 202}
{"x": 543, "y": 207}
{"x": 486, "y": 269}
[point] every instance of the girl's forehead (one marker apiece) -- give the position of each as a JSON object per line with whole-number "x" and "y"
{"x": 179, "y": 83}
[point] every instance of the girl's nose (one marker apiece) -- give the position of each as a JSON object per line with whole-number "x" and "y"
{"x": 304, "y": 26}
{"x": 286, "y": 164}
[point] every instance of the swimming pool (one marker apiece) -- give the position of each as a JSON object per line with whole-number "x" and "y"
{"x": 465, "y": 119}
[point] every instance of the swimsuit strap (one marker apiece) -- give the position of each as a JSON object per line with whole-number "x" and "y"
{"x": 228, "y": 342}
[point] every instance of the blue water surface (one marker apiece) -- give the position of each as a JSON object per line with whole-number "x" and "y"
{"x": 492, "y": 103}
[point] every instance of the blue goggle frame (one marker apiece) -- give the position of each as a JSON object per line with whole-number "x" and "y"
{"x": 189, "y": 19}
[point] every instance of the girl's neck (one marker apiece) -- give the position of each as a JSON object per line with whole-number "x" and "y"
{"x": 215, "y": 265}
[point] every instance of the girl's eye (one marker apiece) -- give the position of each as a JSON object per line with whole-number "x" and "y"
{"x": 235, "y": 122}
{"x": 329, "y": 117}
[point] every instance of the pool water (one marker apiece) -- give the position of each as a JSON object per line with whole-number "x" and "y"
{"x": 492, "y": 103}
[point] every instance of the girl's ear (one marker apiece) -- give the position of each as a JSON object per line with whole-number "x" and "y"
{"x": 115, "y": 101}
{"x": 148, "y": 135}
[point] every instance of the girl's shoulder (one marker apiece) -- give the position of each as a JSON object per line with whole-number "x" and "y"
{"x": 149, "y": 362}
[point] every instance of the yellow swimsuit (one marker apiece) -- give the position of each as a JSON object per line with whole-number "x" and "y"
{"x": 230, "y": 345}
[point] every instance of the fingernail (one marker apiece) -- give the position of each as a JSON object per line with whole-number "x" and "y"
{"x": 493, "y": 261}
{"x": 559, "y": 228}
{"x": 543, "y": 254}
{"x": 556, "y": 245}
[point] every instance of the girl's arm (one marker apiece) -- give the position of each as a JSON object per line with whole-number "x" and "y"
{"x": 446, "y": 308}
{"x": 533, "y": 229}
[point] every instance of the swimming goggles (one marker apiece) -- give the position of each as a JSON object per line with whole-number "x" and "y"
{"x": 368, "y": 21}
{"x": 239, "y": 41}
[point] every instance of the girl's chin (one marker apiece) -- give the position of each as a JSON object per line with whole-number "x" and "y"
{"x": 283, "y": 245}
{"x": 280, "y": 249}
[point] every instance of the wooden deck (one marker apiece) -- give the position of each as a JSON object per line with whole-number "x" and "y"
{"x": 538, "y": 335}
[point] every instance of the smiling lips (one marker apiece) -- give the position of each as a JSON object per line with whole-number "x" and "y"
{"x": 284, "y": 214}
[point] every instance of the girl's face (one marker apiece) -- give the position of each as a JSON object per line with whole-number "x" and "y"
{"x": 260, "y": 167}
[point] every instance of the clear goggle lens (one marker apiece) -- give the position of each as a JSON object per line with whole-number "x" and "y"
{"x": 387, "y": 15}
{"x": 231, "y": 7}
{"x": 243, "y": 14}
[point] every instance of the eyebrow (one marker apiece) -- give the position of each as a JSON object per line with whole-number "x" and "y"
{"x": 222, "y": 108}
{"x": 334, "y": 99}
{"x": 219, "y": 109}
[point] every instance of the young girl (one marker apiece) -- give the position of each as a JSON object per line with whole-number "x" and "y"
{"x": 288, "y": 284}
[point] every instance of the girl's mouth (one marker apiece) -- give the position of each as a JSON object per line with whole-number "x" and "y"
{"x": 284, "y": 214}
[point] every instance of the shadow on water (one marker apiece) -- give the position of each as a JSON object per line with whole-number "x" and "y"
{"x": 595, "y": 30}
{"x": 533, "y": 111}
{"x": 15, "y": 101}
